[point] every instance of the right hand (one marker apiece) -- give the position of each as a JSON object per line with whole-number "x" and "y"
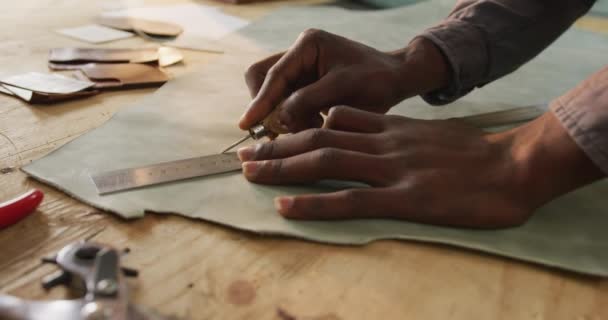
{"x": 322, "y": 70}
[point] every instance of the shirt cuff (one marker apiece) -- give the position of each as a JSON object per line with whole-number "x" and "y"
{"x": 583, "y": 111}
{"x": 462, "y": 44}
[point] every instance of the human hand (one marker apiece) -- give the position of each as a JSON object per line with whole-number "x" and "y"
{"x": 437, "y": 172}
{"x": 322, "y": 70}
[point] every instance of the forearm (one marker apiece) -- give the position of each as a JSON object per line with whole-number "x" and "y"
{"x": 567, "y": 147}
{"x": 425, "y": 60}
{"x": 485, "y": 40}
{"x": 547, "y": 162}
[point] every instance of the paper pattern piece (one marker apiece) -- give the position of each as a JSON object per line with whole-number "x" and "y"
{"x": 94, "y": 33}
{"x": 46, "y": 83}
{"x": 197, "y": 114}
{"x": 201, "y": 24}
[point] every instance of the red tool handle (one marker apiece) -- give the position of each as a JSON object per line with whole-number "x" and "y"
{"x": 14, "y": 210}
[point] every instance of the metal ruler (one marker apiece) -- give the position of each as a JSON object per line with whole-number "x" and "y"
{"x": 132, "y": 178}
{"x": 504, "y": 117}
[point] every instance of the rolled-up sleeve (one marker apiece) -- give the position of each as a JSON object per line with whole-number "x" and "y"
{"x": 484, "y": 40}
{"x": 584, "y": 113}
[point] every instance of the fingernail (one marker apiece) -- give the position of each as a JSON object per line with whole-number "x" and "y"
{"x": 283, "y": 204}
{"x": 251, "y": 168}
{"x": 246, "y": 153}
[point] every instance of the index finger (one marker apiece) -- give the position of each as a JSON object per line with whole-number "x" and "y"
{"x": 256, "y": 73}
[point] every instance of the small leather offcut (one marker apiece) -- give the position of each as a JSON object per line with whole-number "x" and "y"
{"x": 150, "y": 27}
{"x": 80, "y": 55}
{"x": 124, "y": 75}
{"x": 64, "y": 58}
{"x": 34, "y": 97}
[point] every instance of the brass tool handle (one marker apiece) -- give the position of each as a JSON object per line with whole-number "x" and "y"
{"x": 270, "y": 127}
{"x": 273, "y": 124}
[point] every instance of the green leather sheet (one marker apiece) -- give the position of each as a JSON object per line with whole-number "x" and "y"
{"x": 196, "y": 115}
{"x": 384, "y": 4}
{"x": 600, "y": 7}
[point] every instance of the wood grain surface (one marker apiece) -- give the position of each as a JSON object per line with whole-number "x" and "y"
{"x": 198, "y": 270}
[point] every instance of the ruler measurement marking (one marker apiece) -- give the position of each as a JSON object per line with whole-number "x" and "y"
{"x": 131, "y": 178}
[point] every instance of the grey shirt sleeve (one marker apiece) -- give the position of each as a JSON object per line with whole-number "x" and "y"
{"x": 583, "y": 111}
{"x": 484, "y": 40}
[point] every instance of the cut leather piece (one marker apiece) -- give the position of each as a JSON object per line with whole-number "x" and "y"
{"x": 65, "y": 67}
{"x": 197, "y": 114}
{"x": 151, "y": 27}
{"x": 34, "y": 97}
{"x": 124, "y": 75}
{"x": 81, "y": 55}
{"x": 62, "y": 58}
{"x": 46, "y": 83}
{"x": 169, "y": 56}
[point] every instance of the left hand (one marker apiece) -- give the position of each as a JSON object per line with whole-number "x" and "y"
{"x": 438, "y": 172}
{"x": 322, "y": 69}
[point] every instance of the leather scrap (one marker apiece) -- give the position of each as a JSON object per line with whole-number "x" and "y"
{"x": 46, "y": 83}
{"x": 34, "y": 97}
{"x": 124, "y": 75}
{"x": 151, "y": 27}
{"x": 67, "y": 58}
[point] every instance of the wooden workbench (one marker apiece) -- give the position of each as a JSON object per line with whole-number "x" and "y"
{"x": 198, "y": 270}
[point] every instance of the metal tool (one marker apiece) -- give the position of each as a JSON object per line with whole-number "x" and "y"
{"x": 256, "y": 132}
{"x": 94, "y": 271}
{"x": 504, "y": 117}
{"x": 16, "y": 209}
{"x": 271, "y": 126}
{"x": 125, "y": 179}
